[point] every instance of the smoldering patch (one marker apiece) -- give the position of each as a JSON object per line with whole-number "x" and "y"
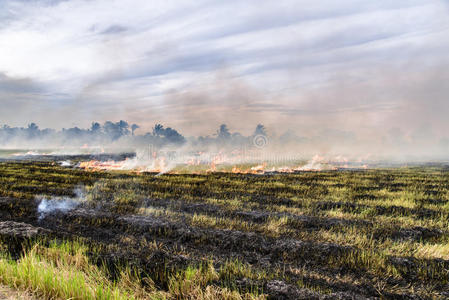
{"x": 48, "y": 205}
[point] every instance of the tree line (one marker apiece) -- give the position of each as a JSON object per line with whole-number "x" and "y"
{"x": 109, "y": 132}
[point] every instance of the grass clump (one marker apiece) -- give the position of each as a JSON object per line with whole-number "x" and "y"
{"x": 62, "y": 271}
{"x": 198, "y": 283}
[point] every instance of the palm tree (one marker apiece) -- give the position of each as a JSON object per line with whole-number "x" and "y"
{"x": 158, "y": 130}
{"x": 134, "y": 127}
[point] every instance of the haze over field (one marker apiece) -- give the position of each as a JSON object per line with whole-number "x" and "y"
{"x": 339, "y": 76}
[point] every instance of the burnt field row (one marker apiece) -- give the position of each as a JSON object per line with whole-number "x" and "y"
{"x": 312, "y": 235}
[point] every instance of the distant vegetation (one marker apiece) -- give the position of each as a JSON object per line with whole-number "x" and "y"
{"x": 110, "y": 132}
{"x": 96, "y": 134}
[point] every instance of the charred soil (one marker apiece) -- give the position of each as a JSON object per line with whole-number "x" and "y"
{"x": 322, "y": 235}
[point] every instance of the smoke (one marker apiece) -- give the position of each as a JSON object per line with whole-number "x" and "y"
{"x": 323, "y": 80}
{"x": 65, "y": 163}
{"x": 61, "y": 204}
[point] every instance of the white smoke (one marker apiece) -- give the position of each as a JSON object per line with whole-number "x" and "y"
{"x": 65, "y": 163}
{"x": 62, "y": 204}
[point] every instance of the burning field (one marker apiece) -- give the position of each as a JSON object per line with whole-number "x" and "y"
{"x": 235, "y": 150}
{"x": 112, "y": 228}
{"x": 221, "y": 162}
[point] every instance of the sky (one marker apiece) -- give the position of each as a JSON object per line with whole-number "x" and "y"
{"x": 324, "y": 67}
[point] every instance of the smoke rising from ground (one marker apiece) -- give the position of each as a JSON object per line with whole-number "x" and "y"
{"x": 62, "y": 204}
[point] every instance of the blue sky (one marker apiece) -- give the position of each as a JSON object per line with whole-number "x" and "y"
{"x": 359, "y": 66}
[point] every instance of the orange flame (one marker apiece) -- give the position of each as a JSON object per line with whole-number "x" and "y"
{"x": 159, "y": 164}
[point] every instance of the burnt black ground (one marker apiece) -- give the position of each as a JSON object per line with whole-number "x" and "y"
{"x": 124, "y": 236}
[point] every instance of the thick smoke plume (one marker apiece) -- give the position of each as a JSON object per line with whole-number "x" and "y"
{"x": 324, "y": 80}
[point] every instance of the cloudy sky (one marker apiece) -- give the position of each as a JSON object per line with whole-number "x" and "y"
{"x": 369, "y": 67}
